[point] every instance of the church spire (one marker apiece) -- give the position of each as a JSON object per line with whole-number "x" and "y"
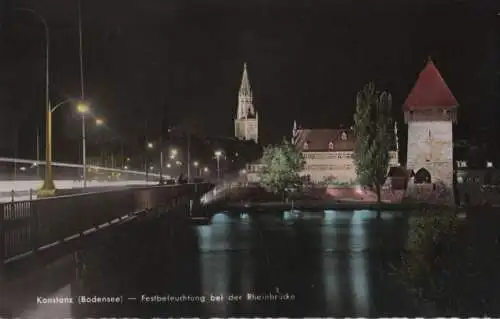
{"x": 245, "y": 97}
{"x": 245, "y": 89}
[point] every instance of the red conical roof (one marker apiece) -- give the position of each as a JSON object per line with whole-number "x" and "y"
{"x": 430, "y": 91}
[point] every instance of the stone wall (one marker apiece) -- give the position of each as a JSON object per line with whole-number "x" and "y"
{"x": 430, "y": 146}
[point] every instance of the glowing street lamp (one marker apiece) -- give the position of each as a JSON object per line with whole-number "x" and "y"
{"x": 99, "y": 122}
{"x": 150, "y": 145}
{"x": 48, "y": 187}
{"x": 169, "y": 165}
{"x": 205, "y": 169}
{"x": 173, "y": 153}
{"x": 83, "y": 108}
{"x": 196, "y": 164}
{"x": 218, "y": 155}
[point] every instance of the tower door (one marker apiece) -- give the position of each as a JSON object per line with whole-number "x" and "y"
{"x": 422, "y": 176}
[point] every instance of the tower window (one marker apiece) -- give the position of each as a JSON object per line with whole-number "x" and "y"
{"x": 343, "y": 137}
{"x": 330, "y": 146}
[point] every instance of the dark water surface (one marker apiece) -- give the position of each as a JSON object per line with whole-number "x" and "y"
{"x": 317, "y": 264}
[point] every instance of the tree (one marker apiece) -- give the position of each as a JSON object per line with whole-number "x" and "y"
{"x": 372, "y": 122}
{"x": 281, "y": 167}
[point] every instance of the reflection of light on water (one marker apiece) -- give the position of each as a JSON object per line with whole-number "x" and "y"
{"x": 214, "y": 260}
{"x": 331, "y": 279}
{"x": 291, "y": 214}
{"x": 359, "y": 271}
{"x": 363, "y": 214}
{"x": 329, "y": 216}
{"x": 58, "y": 310}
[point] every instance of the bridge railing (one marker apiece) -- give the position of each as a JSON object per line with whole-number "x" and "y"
{"x": 27, "y": 227}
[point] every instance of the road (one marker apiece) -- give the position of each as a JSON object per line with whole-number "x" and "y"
{"x": 22, "y": 188}
{"x": 317, "y": 264}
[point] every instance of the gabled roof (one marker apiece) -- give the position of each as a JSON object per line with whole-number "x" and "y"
{"x": 430, "y": 91}
{"x": 318, "y": 140}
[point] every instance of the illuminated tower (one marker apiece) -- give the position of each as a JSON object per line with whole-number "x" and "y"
{"x": 430, "y": 112}
{"x": 246, "y": 124}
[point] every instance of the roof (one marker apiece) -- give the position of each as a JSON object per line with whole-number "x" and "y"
{"x": 319, "y": 140}
{"x": 430, "y": 91}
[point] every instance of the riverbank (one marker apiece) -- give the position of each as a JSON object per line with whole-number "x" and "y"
{"x": 321, "y": 204}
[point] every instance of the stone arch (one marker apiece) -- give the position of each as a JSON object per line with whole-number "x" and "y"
{"x": 422, "y": 176}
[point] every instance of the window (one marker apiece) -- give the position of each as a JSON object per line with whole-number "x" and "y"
{"x": 343, "y": 137}
{"x": 306, "y": 145}
{"x": 330, "y": 146}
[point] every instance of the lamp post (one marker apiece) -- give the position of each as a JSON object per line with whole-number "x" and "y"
{"x": 38, "y": 152}
{"x": 196, "y": 164}
{"x": 218, "y": 154}
{"x": 48, "y": 186}
{"x": 161, "y": 166}
{"x": 83, "y": 109}
{"x": 149, "y": 146}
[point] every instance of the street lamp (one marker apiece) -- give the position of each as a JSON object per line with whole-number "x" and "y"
{"x": 48, "y": 187}
{"x": 83, "y": 108}
{"x": 196, "y": 164}
{"x": 99, "y": 122}
{"x": 218, "y": 154}
{"x": 149, "y": 146}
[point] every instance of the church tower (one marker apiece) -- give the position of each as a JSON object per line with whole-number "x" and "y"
{"x": 246, "y": 124}
{"x": 430, "y": 112}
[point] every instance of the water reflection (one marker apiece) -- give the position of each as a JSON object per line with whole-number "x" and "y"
{"x": 358, "y": 263}
{"x": 326, "y": 260}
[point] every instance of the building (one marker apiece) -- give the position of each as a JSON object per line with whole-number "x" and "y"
{"x": 246, "y": 124}
{"x": 328, "y": 153}
{"x": 430, "y": 111}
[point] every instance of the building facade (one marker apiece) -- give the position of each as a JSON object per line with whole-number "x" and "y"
{"x": 329, "y": 153}
{"x": 430, "y": 112}
{"x": 246, "y": 124}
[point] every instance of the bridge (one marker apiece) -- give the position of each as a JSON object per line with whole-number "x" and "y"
{"x": 24, "y": 186}
{"x": 33, "y": 228}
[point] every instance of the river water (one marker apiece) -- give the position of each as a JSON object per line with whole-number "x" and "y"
{"x": 326, "y": 263}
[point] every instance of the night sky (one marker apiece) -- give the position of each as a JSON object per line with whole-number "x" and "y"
{"x": 183, "y": 60}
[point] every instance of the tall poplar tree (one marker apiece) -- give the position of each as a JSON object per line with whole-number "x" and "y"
{"x": 372, "y": 122}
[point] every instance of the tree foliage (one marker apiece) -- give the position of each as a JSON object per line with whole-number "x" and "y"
{"x": 281, "y": 167}
{"x": 372, "y": 123}
{"x": 451, "y": 263}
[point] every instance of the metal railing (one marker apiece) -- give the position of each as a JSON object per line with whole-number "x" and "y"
{"x": 28, "y": 227}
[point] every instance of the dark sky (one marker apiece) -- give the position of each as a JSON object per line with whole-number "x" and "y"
{"x": 183, "y": 59}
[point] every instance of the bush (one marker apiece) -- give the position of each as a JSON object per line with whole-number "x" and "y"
{"x": 447, "y": 263}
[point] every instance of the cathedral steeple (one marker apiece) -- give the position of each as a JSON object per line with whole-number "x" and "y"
{"x": 247, "y": 120}
{"x": 245, "y": 97}
{"x": 245, "y": 88}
